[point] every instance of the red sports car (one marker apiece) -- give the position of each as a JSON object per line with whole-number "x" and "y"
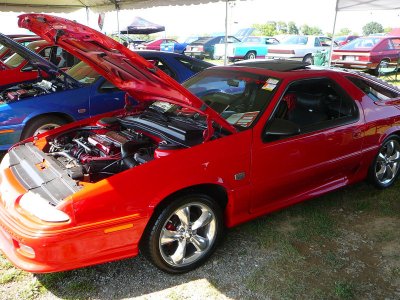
{"x": 155, "y": 45}
{"x": 16, "y": 69}
{"x": 167, "y": 176}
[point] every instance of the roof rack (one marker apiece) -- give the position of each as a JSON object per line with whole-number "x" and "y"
{"x": 280, "y": 65}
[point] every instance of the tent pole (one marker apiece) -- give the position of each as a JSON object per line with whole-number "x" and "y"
{"x": 226, "y": 31}
{"x": 119, "y": 32}
{"x": 87, "y": 15}
{"x": 333, "y": 34}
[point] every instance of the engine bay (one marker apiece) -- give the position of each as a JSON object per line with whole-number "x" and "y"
{"x": 115, "y": 144}
{"x": 28, "y": 90}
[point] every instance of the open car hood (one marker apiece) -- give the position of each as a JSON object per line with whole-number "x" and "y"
{"x": 124, "y": 68}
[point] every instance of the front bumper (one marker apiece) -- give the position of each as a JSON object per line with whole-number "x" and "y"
{"x": 283, "y": 56}
{"x": 359, "y": 65}
{"x": 73, "y": 248}
{"x": 60, "y": 246}
{"x": 196, "y": 53}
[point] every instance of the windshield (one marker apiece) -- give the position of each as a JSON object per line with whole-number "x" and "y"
{"x": 295, "y": 40}
{"x": 253, "y": 39}
{"x": 366, "y": 43}
{"x": 83, "y": 73}
{"x": 16, "y": 60}
{"x": 237, "y": 96}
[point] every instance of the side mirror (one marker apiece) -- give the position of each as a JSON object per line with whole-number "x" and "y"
{"x": 281, "y": 128}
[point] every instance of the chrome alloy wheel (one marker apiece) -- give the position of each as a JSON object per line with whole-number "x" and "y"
{"x": 387, "y": 163}
{"x": 188, "y": 234}
{"x": 45, "y": 127}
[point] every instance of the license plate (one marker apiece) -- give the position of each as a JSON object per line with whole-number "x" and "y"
{"x": 349, "y": 58}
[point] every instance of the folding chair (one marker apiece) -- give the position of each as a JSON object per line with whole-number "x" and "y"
{"x": 389, "y": 69}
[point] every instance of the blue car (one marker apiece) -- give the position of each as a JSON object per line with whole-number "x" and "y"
{"x": 57, "y": 98}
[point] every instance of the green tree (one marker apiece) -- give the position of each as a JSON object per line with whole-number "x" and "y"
{"x": 292, "y": 28}
{"x": 308, "y": 30}
{"x": 371, "y": 28}
{"x": 268, "y": 29}
{"x": 282, "y": 27}
{"x": 344, "y": 31}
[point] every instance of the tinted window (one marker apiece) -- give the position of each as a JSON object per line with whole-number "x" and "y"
{"x": 193, "y": 65}
{"x": 295, "y": 40}
{"x": 375, "y": 90}
{"x": 239, "y": 97}
{"x": 315, "y": 104}
{"x": 366, "y": 43}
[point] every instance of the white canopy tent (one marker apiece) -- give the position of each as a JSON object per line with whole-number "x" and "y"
{"x": 63, "y": 6}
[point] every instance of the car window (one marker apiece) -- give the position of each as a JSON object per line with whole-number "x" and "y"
{"x": 83, "y": 73}
{"x": 238, "y": 97}
{"x": 317, "y": 43}
{"x": 193, "y": 65}
{"x": 295, "y": 40}
{"x": 325, "y": 41}
{"x": 375, "y": 90}
{"x": 315, "y": 104}
{"x": 45, "y": 52}
{"x": 271, "y": 41}
{"x": 162, "y": 66}
{"x": 366, "y": 43}
{"x": 16, "y": 60}
{"x": 396, "y": 43}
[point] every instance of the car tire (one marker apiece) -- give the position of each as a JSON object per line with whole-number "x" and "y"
{"x": 250, "y": 55}
{"x": 386, "y": 165}
{"x": 42, "y": 124}
{"x": 308, "y": 59}
{"x": 184, "y": 234}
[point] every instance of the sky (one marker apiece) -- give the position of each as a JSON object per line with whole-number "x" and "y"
{"x": 183, "y": 21}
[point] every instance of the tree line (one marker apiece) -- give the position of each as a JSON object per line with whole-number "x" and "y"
{"x": 272, "y": 28}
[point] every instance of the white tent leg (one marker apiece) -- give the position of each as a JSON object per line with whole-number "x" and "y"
{"x": 333, "y": 34}
{"x": 226, "y": 31}
{"x": 87, "y": 15}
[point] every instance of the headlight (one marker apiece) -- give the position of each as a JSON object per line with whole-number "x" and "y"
{"x": 40, "y": 207}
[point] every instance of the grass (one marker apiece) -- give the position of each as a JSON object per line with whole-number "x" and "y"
{"x": 330, "y": 250}
{"x": 343, "y": 245}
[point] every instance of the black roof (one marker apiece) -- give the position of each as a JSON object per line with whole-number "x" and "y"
{"x": 280, "y": 65}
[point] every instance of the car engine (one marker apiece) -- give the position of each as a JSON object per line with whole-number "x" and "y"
{"x": 92, "y": 153}
{"x": 27, "y": 90}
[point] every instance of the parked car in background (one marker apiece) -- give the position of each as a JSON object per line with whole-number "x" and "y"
{"x": 17, "y": 68}
{"x": 176, "y": 46}
{"x": 204, "y": 47}
{"x": 251, "y": 47}
{"x": 169, "y": 176}
{"x": 42, "y": 104}
{"x": 154, "y": 45}
{"x": 6, "y": 52}
{"x": 344, "y": 39}
{"x": 367, "y": 53}
{"x": 299, "y": 47}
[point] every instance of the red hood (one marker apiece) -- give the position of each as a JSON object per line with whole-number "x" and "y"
{"x": 124, "y": 68}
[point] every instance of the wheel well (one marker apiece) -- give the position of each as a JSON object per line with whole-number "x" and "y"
{"x": 216, "y": 192}
{"x": 66, "y": 117}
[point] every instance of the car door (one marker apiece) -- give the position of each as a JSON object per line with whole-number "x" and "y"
{"x": 105, "y": 97}
{"x": 320, "y": 157}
